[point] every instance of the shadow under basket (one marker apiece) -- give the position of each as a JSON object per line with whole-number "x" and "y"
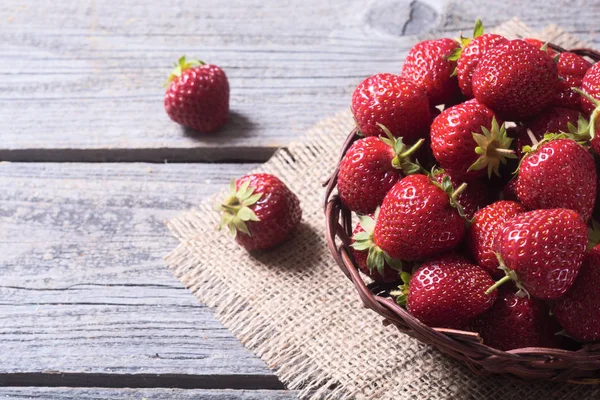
{"x": 581, "y": 366}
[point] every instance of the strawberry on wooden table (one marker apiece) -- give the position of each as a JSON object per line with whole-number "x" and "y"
{"x": 428, "y": 65}
{"x": 260, "y": 211}
{"x": 516, "y": 322}
{"x": 542, "y": 251}
{"x": 483, "y": 229}
{"x": 578, "y": 311}
{"x": 394, "y": 102}
{"x": 467, "y": 141}
{"x": 370, "y": 168}
{"x": 516, "y": 80}
{"x": 448, "y": 291}
{"x": 197, "y": 95}
{"x": 418, "y": 219}
{"x": 558, "y": 173}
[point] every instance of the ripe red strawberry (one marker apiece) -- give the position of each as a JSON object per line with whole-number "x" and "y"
{"x": 418, "y": 219}
{"x": 370, "y": 168}
{"x": 483, "y": 230}
{"x": 260, "y": 211}
{"x": 458, "y": 146}
{"x": 384, "y": 272}
{"x": 427, "y": 65}
{"x": 588, "y": 130}
{"x": 591, "y": 86}
{"x": 542, "y": 251}
{"x": 558, "y": 174}
{"x": 578, "y": 311}
{"x": 540, "y": 45}
{"x": 571, "y": 70}
{"x": 470, "y": 56}
{"x": 516, "y": 322}
{"x": 197, "y": 95}
{"x": 448, "y": 291}
{"x": 475, "y": 196}
{"x": 516, "y": 80}
{"x": 553, "y": 120}
{"x": 394, "y": 102}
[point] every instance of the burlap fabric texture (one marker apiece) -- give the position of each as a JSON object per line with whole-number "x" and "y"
{"x": 295, "y": 309}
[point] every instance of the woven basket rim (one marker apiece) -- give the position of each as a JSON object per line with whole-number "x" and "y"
{"x": 581, "y": 366}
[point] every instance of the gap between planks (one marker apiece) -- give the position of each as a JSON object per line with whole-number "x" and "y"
{"x": 179, "y": 381}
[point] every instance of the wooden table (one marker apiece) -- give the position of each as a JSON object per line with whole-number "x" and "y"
{"x": 94, "y": 168}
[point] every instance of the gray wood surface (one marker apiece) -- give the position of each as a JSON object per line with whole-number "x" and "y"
{"x": 82, "y": 81}
{"x": 84, "y": 288}
{"x": 141, "y": 394}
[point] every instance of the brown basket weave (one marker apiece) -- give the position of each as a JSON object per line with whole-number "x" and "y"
{"x": 581, "y": 366}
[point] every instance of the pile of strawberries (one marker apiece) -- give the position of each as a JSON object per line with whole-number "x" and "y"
{"x": 475, "y": 184}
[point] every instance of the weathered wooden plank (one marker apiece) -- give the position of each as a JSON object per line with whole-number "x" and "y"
{"x": 85, "y": 292}
{"x": 141, "y": 394}
{"x": 82, "y": 82}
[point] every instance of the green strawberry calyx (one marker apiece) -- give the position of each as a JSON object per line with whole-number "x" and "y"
{"x": 182, "y": 65}
{"x": 510, "y": 275}
{"x": 493, "y": 148}
{"x": 464, "y": 42}
{"x": 403, "y": 153}
{"x": 235, "y": 209}
{"x": 593, "y": 234}
{"x": 446, "y": 186}
{"x": 363, "y": 241}
{"x": 581, "y": 132}
{"x": 402, "y": 293}
{"x": 594, "y": 115}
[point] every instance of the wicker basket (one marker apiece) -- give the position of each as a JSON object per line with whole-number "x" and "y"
{"x": 581, "y": 366}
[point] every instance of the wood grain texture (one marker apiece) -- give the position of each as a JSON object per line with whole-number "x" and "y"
{"x": 141, "y": 394}
{"x": 83, "y": 80}
{"x": 84, "y": 287}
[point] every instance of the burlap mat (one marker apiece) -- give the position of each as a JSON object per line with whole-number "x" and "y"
{"x": 294, "y": 308}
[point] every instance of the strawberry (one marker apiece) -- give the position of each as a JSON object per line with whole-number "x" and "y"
{"x": 475, "y": 196}
{"x": 197, "y": 95}
{"x": 571, "y": 69}
{"x": 448, "y": 291}
{"x": 370, "y": 168}
{"x": 542, "y": 251}
{"x": 558, "y": 173}
{"x": 591, "y": 86}
{"x": 470, "y": 53}
{"x": 260, "y": 211}
{"x": 483, "y": 230}
{"x": 427, "y": 65}
{"x": 540, "y": 45}
{"x": 578, "y": 311}
{"x": 418, "y": 219}
{"x": 587, "y": 130}
{"x": 516, "y": 322}
{"x": 383, "y": 272}
{"x": 458, "y": 146}
{"x": 516, "y": 80}
{"x": 553, "y": 120}
{"x": 394, "y": 102}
